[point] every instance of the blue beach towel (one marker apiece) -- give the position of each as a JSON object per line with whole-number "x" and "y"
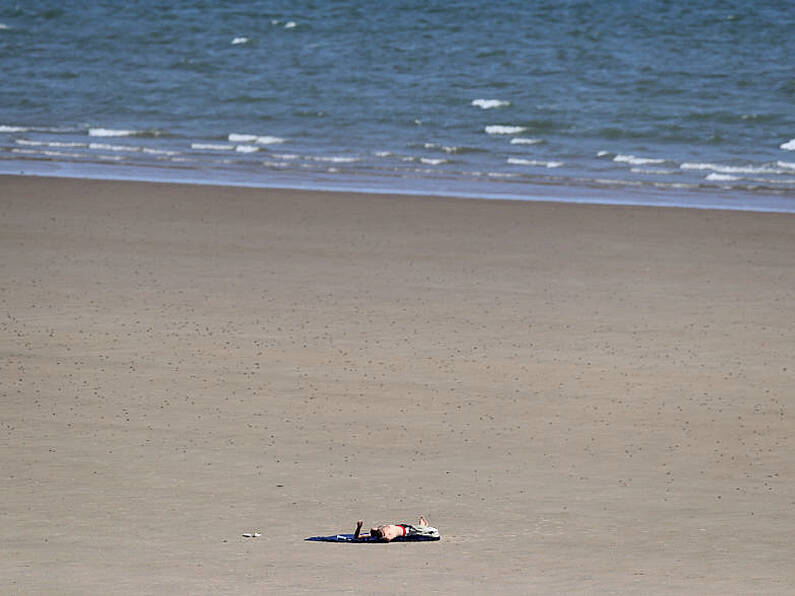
{"x": 366, "y": 539}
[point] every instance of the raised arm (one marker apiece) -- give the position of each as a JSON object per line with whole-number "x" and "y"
{"x": 358, "y": 529}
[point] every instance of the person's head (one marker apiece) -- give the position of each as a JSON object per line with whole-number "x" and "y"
{"x": 376, "y": 533}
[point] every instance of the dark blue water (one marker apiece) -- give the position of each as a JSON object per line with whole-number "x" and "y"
{"x": 645, "y": 101}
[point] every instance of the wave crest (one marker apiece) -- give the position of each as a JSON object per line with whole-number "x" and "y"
{"x": 637, "y": 161}
{"x": 517, "y": 161}
{"x": 490, "y": 104}
{"x": 500, "y": 129}
{"x": 259, "y": 140}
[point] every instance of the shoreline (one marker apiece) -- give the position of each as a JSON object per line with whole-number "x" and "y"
{"x": 564, "y": 192}
{"x": 583, "y": 399}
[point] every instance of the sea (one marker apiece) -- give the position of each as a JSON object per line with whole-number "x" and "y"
{"x": 650, "y": 102}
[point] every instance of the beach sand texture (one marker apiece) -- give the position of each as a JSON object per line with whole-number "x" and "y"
{"x": 583, "y": 399}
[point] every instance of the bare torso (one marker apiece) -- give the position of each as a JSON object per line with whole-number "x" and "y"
{"x": 390, "y": 531}
{"x": 387, "y": 532}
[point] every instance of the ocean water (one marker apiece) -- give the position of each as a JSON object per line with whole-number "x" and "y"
{"x": 640, "y": 101}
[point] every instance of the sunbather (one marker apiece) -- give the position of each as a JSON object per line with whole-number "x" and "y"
{"x": 389, "y": 532}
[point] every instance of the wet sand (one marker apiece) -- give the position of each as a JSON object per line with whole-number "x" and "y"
{"x": 583, "y": 399}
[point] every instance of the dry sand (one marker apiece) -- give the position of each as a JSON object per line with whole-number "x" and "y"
{"x": 583, "y": 399}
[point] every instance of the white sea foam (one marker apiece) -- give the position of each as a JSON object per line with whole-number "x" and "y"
{"x": 241, "y": 138}
{"x": 211, "y": 147}
{"x": 26, "y": 142}
{"x": 713, "y": 177}
{"x": 384, "y": 154}
{"x": 4, "y": 26}
{"x": 433, "y": 162}
{"x": 789, "y": 145}
{"x": 6, "y": 128}
{"x": 534, "y": 162}
{"x": 335, "y": 159}
{"x": 445, "y": 148}
{"x": 290, "y": 25}
{"x": 159, "y": 151}
{"x": 699, "y": 166}
{"x": 289, "y": 156}
{"x": 674, "y": 185}
{"x": 637, "y": 161}
{"x": 490, "y": 104}
{"x": 249, "y": 138}
{"x": 501, "y": 175}
{"x": 499, "y": 129}
{"x": 603, "y": 153}
{"x": 615, "y": 182}
{"x": 525, "y": 141}
{"x": 109, "y": 132}
{"x": 787, "y": 181}
{"x": 246, "y": 148}
{"x": 731, "y": 169}
{"x": 47, "y": 153}
{"x": 653, "y": 171}
{"x": 239, "y": 40}
{"x": 106, "y": 147}
{"x": 67, "y": 145}
{"x": 786, "y": 164}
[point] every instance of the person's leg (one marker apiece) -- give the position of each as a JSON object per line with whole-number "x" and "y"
{"x": 423, "y": 529}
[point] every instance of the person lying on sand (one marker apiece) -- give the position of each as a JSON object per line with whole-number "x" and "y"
{"x": 389, "y": 532}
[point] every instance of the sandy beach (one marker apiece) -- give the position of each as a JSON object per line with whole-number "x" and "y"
{"x": 583, "y": 399}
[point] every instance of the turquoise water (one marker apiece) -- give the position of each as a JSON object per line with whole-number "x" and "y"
{"x": 654, "y": 101}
